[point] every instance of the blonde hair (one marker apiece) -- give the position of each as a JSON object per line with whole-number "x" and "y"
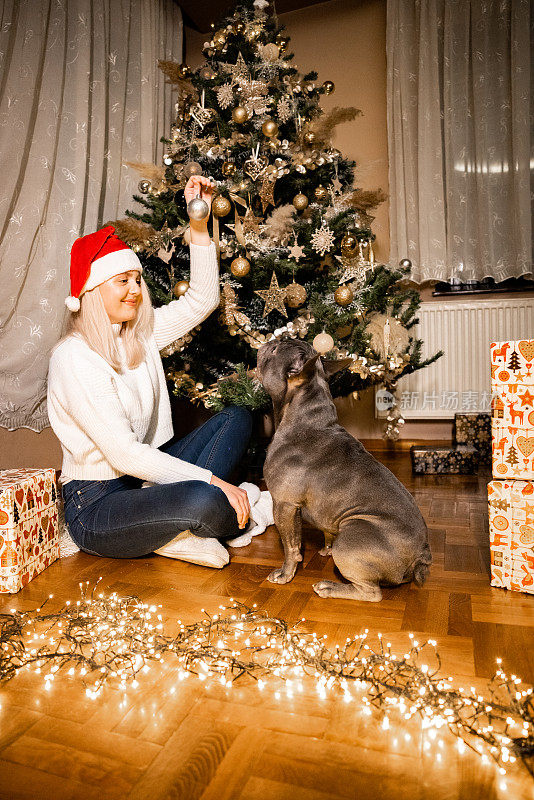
{"x": 92, "y": 323}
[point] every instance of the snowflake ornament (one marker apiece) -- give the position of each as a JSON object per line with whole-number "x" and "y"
{"x": 322, "y": 239}
{"x": 283, "y": 109}
{"x": 225, "y": 95}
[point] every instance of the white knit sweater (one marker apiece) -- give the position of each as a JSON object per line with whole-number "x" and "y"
{"x": 111, "y": 424}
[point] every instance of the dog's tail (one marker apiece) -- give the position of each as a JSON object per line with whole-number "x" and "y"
{"x": 422, "y": 567}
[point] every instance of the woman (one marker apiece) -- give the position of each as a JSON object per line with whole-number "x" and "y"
{"x": 127, "y": 489}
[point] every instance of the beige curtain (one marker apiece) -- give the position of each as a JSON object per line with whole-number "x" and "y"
{"x": 80, "y": 94}
{"x": 460, "y": 111}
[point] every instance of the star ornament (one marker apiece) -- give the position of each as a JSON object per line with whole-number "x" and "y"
{"x": 353, "y": 270}
{"x": 274, "y": 297}
{"x": 527, "y": 399}
{"x": 239, "y": 71}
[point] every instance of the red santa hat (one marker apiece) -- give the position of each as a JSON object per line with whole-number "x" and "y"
{"x": 94, "y": 259}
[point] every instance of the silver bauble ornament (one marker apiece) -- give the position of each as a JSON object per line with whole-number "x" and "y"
{"x": 323, "y": 342}
{"x": 198, "y": 209}
{"x": 144, "y": 186}
{"x": 405, "y": 262}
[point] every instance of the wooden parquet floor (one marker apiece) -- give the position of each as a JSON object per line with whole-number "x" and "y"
{"x": 207, "y": 742}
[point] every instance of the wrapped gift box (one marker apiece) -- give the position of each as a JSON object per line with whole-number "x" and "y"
{"x": 29, "y": 534}
{"x": 512, "y": 451}
{"x": 512, "y": 363}
{"x": 511, "y": 528}
{"x": 474, "y": 430}
{"x": 432, "y": 459}
{"x": 512, "y": 407}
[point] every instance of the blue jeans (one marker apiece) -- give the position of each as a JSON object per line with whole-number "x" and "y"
{"x": 118, "y": 519}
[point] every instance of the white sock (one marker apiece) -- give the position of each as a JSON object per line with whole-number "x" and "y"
{"x": 261, "y": 515}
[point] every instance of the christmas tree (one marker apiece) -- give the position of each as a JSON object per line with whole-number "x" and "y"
{"x": 512, "y": 458}
{"x": 293, "y": 234}
{"x": 513, "y": 362}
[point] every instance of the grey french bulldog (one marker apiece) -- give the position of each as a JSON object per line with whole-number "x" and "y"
{"x": 317, "y": 471}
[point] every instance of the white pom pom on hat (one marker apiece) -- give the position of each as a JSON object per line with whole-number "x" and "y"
{"x": 96, "y": 258}
{"x": 72, "y": 303}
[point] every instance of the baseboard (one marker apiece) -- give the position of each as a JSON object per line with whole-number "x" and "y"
{"x": 387, "y": 445}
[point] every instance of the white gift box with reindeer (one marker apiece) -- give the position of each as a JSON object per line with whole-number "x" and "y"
{"x": 512, "y": 424}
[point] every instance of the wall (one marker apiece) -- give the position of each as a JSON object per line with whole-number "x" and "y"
{"x": 345, "y": 41}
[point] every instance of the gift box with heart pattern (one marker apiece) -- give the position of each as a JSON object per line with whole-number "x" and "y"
{"x": 512, "y": 392}
{"x": 29, "y": 532}
{"x": 511, "y": 529}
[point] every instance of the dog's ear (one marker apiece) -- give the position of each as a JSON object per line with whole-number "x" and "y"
{"x": 301, "y": 368}
{"x": 331, "y": 367}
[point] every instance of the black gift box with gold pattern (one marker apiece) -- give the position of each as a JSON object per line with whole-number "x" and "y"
{"x": 433, "y": 460}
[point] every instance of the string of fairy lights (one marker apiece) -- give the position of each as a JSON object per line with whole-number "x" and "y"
{"x": 112, "y": 640}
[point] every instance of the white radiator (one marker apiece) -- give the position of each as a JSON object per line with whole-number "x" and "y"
{"x": 460, "y": 379}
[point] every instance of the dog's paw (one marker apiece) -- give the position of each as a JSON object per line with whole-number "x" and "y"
{"x": 279, "y": 576}
{"x": 324, "y": 588}
{"x": 326, "y": 551}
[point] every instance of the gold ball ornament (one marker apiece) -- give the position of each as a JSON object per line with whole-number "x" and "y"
{"x": 180, "y": 288}
{"x": 239, "y": 27}
{"x": 321, "y": 194}
{"x": 323, "y": 342}
{"x": 228, "y": 169}
{"x": 239, "y": 115}
{"x": 343, "y": 296}
{"x": 221, "y": 206}
{"x": 240, "y": 267}
{"x": 269, "y": 128}
{"x": 144, "y": 186}
{"x": 185, "y": 71}
{"x": 295, "y": 295}
{"x": 192, "y": 168}
{"x": 282, "y": 42}
{"x": 309, "y": 138}
{"x": 329, "y": 87}
{"x": 349, "y": 243}
{"x": 300, "y": 201}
